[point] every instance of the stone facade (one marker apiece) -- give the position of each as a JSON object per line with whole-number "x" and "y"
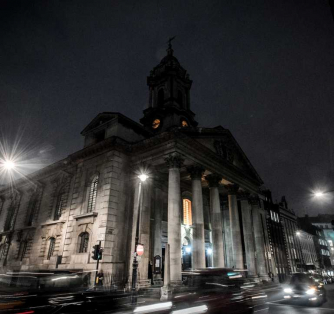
{"x": 95, "y": 195}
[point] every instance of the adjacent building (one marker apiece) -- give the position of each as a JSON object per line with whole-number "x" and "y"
{"x": 202, "y": 196}
{"x": 321, "y": 245}
{"x": 277, "y": 237}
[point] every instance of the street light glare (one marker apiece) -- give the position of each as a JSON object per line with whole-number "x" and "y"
{"x": 143, "y": 177}
{"x": 318, "y": 194}
{"x": 8, "y": 164}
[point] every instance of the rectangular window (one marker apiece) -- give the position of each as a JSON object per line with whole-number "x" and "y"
{"x": 187, "y": 215}
{"x": 52, "y": 243}
{"x": 22, "y": 250}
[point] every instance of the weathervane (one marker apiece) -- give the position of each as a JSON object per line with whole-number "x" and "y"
{"x": 170, "y": 42}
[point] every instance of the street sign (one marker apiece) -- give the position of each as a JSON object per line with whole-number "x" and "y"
{"x": 140, "y": 249}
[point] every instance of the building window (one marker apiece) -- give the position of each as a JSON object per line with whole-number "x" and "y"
{"x": 187, "y": 214}
{"x": 92, "y": 194}
{"x": 52, "y": 243}
{"x": 59, "y": 205}
{"x": 83, "y": 242}
{"x": 31, "y": 210}
{"x": 22, "y": 250}
{"x": 161, "y": 96}
{"x": 180, "y": 98}
{"x": 9, "y": 223}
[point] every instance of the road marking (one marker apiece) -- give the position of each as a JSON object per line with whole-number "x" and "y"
{"x": 319, "y": 308}
{"x": 267, "y": 308}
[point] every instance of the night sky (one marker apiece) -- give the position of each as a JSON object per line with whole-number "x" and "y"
{"x": 262, "y": 69}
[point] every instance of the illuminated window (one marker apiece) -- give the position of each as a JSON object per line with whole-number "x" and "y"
{"x": 187, "y": 215}
{"x": 92, "y": 194}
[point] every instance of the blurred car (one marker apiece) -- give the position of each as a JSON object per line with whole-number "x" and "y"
{"x": 305, "y": 288}
{"x": 319, "y": 278}
{"x": 328, "y": 279}
{"x": 61, "y": 293}
{"x": 212, "y": 290}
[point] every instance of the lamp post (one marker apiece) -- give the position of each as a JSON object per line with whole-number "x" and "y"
{"x": 298, "y": 234}
{"x": 142, "y": 178}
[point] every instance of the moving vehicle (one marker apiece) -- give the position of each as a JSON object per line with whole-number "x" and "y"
{"x": 306, "y": 288}
{"x": 212, "y": 290}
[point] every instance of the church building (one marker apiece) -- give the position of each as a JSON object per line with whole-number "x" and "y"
{"x": 201, "y": 196}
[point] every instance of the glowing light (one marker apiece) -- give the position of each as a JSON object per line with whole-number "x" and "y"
{"x": 298, "y": 233}
{"x": 319, "y": 194}
{"x": 288, "y": 290}
{"x": 153, "y": 308}
{"x": 310, "y": 291}
{"x": 188, "y": 249}
{"x": 143, "y": 177}
{"x": 209, "y": 251}
{"x": 192, "y": 310}
{"x": 9, "y": 165}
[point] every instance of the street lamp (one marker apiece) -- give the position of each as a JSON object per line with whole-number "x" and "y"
{"x": 8, "y": 165}
{"x": 142, "y": 177}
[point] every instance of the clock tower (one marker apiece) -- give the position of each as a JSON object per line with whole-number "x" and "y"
{"x": 169, "y": 100}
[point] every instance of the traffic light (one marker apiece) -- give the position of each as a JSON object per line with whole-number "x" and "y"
{"x": 95, "y": 252}
{"x": 99, "y": 253}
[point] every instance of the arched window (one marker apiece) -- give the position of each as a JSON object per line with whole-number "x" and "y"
{"x": 83, "y": 242}
{"x": 31, "y": 210}
{"x": 180, "y": 98}
{"x": 161, "y": 96}
{"x": 92, "y": 194}
{"x": 187, "y": 215}
{"x": 52, "y": 244}
{"x": 59, "y": 205}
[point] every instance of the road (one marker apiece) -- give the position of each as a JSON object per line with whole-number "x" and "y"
{"x": 277, "y": 305}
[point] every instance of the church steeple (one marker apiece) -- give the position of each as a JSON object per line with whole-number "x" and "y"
{"x": 169, "y": 99}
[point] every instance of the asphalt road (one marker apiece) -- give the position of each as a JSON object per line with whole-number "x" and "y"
{"x": 277, "y": 305}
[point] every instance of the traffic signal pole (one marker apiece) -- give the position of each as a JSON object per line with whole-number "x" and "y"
{"x": 97, "y": 265}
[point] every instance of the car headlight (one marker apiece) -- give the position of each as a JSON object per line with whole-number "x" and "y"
{"x": 310, "y": 291}
{"x": 288, "y": 290}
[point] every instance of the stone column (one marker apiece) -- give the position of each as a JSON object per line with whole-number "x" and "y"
{"x": 227, "y": 238}
{"x": 248, "y": 236}
{"x": 158, "y": 208}
{"x": 144, "y": 232}
{"x": 259, "y": 240}
{"x": 235, "y": 226}
{"x": 174, "y": 163}
{"x": 216, "y": 221}
{"x": 198, "y": 249}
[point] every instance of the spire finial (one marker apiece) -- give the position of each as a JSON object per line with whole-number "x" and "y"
{"x": 170, "y": 49}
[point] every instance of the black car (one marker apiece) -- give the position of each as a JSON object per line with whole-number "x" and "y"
{"x": 212, "y": 290}
{"x": 305, "y": 288}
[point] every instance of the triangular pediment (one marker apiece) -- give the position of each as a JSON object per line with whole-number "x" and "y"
{"x": 100, "y": 119}
{"x": 222, "y": 143}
